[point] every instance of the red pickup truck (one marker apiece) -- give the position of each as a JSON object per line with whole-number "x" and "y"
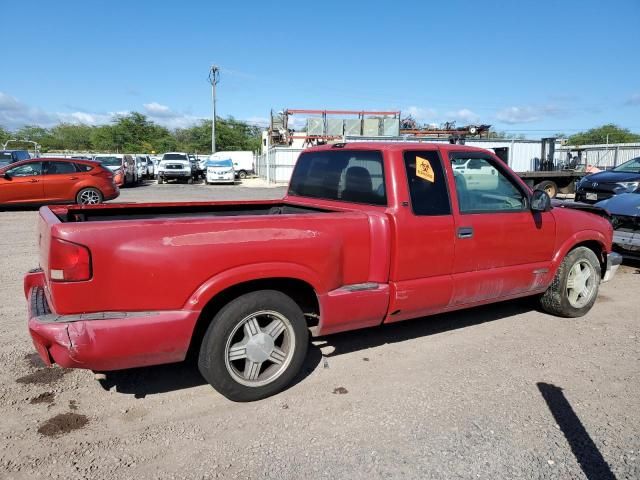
{"x": 368, "y": 233}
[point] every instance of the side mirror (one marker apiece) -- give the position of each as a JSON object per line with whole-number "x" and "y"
{"x": 540, "y": 201}
{"x": 6, "y": 176}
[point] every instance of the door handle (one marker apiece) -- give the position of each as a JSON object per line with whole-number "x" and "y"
{"x": 465, "y": 232}
{"x": 73, "y": 178}
{"x": 34, "y": 180}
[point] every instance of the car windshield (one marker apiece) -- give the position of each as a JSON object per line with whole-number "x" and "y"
{"x": 5, "y": 156}
{"x": 632, "y": 166}
{"x": 220, "y": 163}
{"x": 174, "y": 156}
{"x": 109, "y": 161}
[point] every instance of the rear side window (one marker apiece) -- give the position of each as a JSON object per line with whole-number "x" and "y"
{"x": 83, "y": 167}
{"x": 427, "y": 183}
{"x": 347, "y": 175}
{"x": 58, "y": 168}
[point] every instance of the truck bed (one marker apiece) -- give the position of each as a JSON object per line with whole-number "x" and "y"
{"x": 112, "y": 212}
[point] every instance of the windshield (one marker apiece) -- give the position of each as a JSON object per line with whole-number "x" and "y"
{"x": 174, "y": 156}
{"x": 219, "y": 163}
{"x": 346, "y": 175}
{"x": 632, "y": 166}
{"x": 109, "y": 161}
{"x": 5, "y": 156}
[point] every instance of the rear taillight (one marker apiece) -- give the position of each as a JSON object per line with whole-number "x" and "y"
{"x": 69, "y": 262}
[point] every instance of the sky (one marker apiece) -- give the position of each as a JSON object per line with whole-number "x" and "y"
{"x": 535, "y": 68}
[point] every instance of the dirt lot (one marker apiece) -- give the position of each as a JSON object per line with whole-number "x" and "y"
{"x": 500, "y": 392}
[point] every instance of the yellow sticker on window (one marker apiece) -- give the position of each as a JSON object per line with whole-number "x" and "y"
{"x": 424, "y": 170}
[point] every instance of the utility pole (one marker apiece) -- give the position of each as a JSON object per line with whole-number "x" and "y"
{"x": 214, "y": 78}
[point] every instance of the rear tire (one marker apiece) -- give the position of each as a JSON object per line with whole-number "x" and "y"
{"x": 575, "y": 287}
{"x": 254, "y": 346}
{"x": 89, "y": 196}
{"x": 190, "y": 181}
{"x": 242, "y": 174}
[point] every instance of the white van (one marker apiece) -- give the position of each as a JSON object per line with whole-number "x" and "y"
{"x": 242, "y": 162}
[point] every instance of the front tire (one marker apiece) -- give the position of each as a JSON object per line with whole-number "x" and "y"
{"x": 89, "y": 196}
{"x": 575, "y": 287}
{"x": 254, "y": 346}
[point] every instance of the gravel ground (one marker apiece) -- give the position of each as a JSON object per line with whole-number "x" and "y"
{"x": 499, "y": 392}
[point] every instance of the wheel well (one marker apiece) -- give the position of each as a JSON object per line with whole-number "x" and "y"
{"x": 597, "y": 248}
{"x": 301, "y": 292}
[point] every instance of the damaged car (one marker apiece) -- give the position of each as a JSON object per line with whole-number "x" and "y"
{"x": 624, "y": 210}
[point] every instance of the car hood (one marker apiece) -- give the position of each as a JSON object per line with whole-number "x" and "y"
{"x": 612, "y": 177}
{"x": 627, "y": 204}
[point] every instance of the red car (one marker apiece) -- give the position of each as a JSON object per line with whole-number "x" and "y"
{"x": 56, "y": 180}
{"x": 369, "y": 233}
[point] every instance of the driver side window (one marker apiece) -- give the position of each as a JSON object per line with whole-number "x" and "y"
{"x": 481, "y": 187}
{"x": 26, "y": 170}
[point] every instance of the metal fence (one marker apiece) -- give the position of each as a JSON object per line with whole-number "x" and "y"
{"x": 602, "y": 156}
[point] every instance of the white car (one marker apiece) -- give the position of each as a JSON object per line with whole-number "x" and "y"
{"x": 220, "y": 171}
{"x": 243, "y": 162}
{"x": 175, "y": 166}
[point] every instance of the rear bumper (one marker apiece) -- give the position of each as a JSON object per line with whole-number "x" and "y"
{"x": 614, "y": 260}
{"x": 105, "y": 340}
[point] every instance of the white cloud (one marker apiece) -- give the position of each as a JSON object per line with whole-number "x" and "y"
{"x": 528, "y": 113}
{"x": 633, "y": 99}
{"x": 419, "y": 114}
{"x": 464, "y": 115}
{"x": 158, "y": 110}
{"x": 15, "y": 114}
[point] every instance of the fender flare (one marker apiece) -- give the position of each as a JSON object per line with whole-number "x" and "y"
{"x": 575, "y": 239}
{"x": 247, "y": 273}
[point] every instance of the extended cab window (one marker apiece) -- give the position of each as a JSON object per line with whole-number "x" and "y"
{"x": 427, "y": 183}
{"x": 347, "y": 175}
{"x": 481, "y": 187}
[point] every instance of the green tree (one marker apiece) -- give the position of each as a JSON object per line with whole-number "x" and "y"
{"x": 33, "y": 133}
{"x": 4, "y": 135}
{"x": 66, "y": 136}
{"x": 608, "y": 133}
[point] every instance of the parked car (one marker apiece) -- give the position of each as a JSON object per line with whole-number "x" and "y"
{"x": 11, "y": 156}
{"x": 56, "y": 180}
{"x": 625, "y": 218}
{"x": 151, "y": 168}
{"x": 141, "y": 167}
{"x": 624, "y": 178}
{"x": 219, "y": 171}
{"x": 175, "y": 166}
{"x": 242, "y": 162}
{"x": 122, "y": 165}
{"x": 202, "y": 166}
{"x": 368, "y": 233}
